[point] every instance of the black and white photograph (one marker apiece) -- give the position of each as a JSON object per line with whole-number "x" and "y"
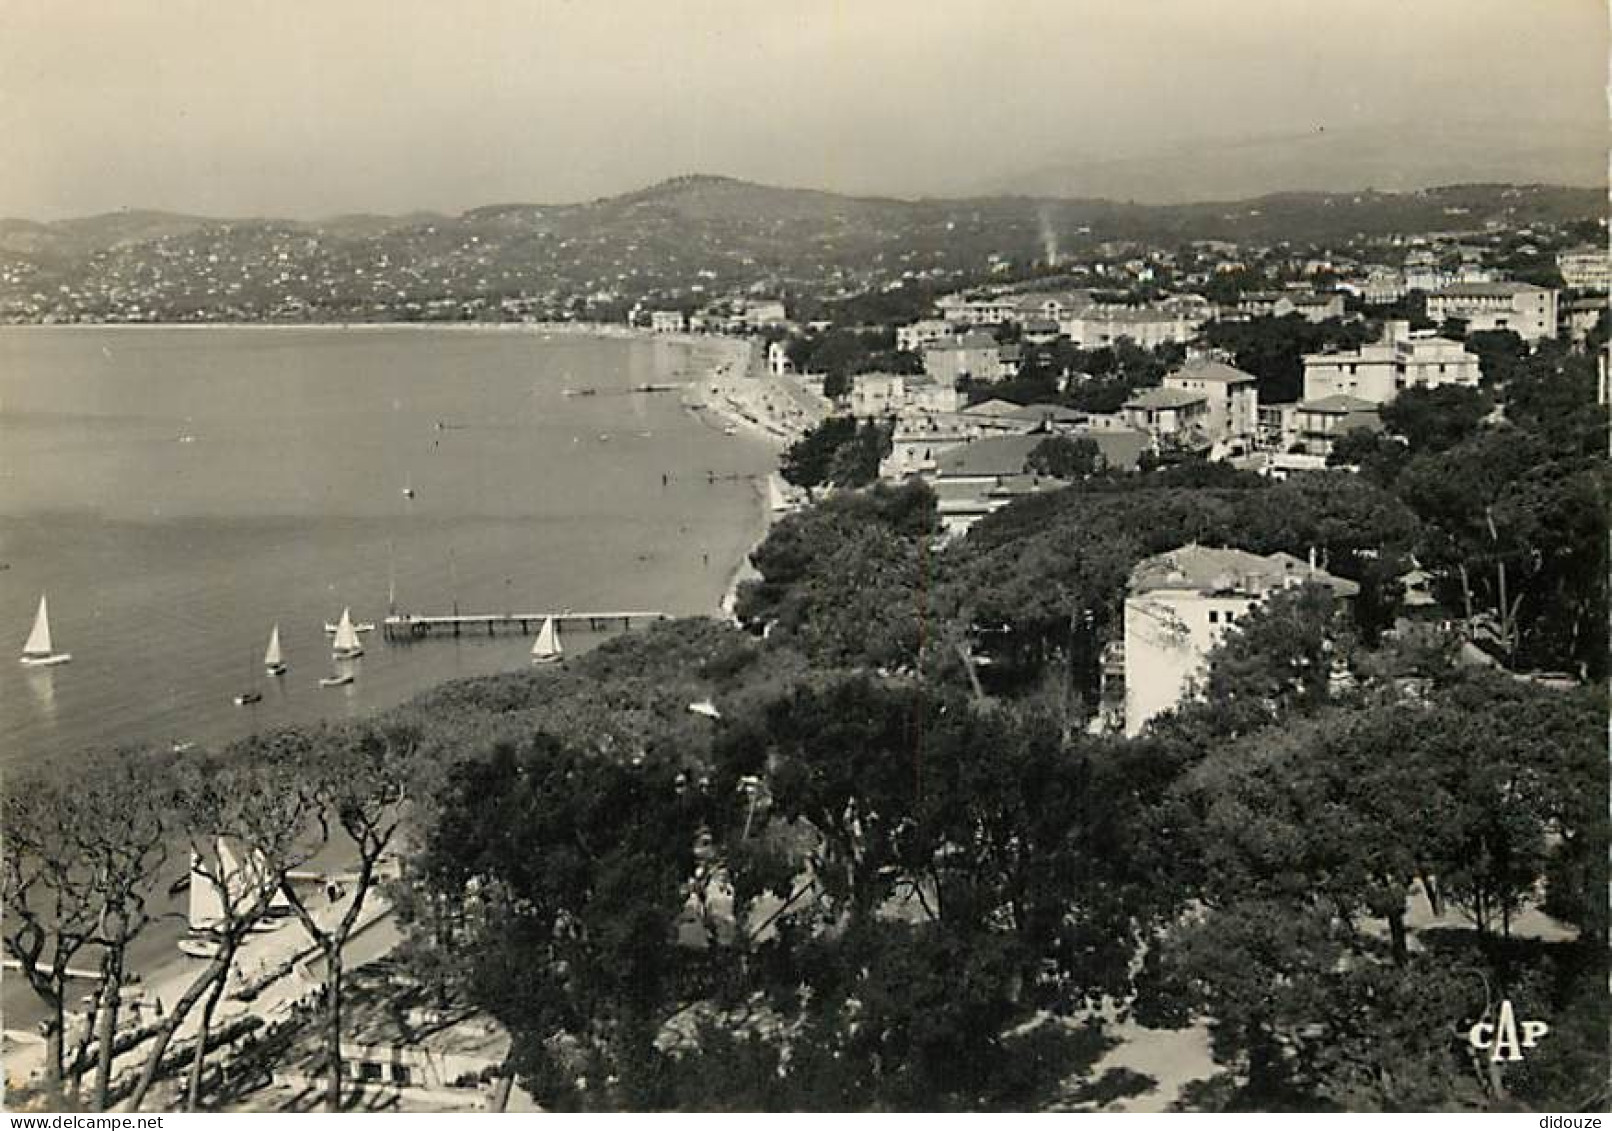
{"x": 654, "y": 556}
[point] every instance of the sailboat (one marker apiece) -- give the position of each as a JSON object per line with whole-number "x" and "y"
{"x": 346, "y": 645}
{"x": 546, "y": 649}
{"x": 777, "y": 501}
{"x": 273, "y": 663}
{"x": 37, "y": 652}
{"x": 358, "y": 626}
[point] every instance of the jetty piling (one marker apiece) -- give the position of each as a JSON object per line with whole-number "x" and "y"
{"x": 406, "y": 627}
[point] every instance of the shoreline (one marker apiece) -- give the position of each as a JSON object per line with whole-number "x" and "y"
{"x": 581, "y": 329}
{"x": 160, "y": 966}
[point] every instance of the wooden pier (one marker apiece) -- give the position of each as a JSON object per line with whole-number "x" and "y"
{"x": 405, "y": 626}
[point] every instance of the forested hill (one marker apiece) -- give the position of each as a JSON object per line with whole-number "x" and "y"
{"x": 718, "y": 232}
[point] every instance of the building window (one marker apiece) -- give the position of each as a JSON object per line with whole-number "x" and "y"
{"x": 369, "y": 1070}
{"x": 1214, "y": 617}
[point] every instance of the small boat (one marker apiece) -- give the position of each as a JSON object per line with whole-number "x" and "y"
{"x": 346, "y": 645}
{"x": 546, "y": 649}
{"x": 358, "y": 626}
{"x": 273, "y": 663}
{"x": 37, "y": 652}
{"x": 705, "y": 707}
{"x": 198, "y": 946}
{"x": 340, "y": 679}
{"x": 731, "y": 430}
{"x": 180, "y": 746}
{"x": 578, "y": 392}
{"x": 246, "y": 697}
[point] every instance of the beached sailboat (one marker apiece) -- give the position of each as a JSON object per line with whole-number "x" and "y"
{"x": 346, "y": 645}
{"x": 37, "y": 652}
{"x": 777, "y": 500}
{"x": 273, "y": 662}
{"x": 546, "y": 649}
{"x": 243, "y": 873}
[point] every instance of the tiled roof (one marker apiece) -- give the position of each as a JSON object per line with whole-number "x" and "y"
{"x": 1165, "y": 398}
{"x": 1339, "y": 403}
{"x": 1039, "y": 412}
{"x": 994, "y": 407}
{"x": 1214, "y": 371}
{"x": 1209, "y": 569}
{"x": 1488, "y": 290}
{"x": 1121, "y": 447}
{"x": 998, "y": 455}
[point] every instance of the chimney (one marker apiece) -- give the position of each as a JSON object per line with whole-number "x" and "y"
{"x": 1312, "y": 559}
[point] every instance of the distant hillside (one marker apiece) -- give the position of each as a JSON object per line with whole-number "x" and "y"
{"x": 691, "y": 236}
{"x": 1401, "y": 158}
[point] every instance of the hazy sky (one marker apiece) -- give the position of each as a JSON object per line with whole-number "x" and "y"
{"x": 314, "y": 107}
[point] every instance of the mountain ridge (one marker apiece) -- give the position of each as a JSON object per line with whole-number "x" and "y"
{"x": 706, "y": 189}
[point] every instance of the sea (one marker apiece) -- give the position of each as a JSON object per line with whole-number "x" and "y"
{"x": 179, "y": 491}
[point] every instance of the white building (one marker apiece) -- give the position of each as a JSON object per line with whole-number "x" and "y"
{"x": 763, "y": 312}
{"x": 1382, "y": 286}
{"x": 1379, "y": 371}
{"x": 1314, "y": 426}
{"x": 1231, "y": 399}
{"x": 1178, "y": 607}
{"x": 1526, "y": 310}
{"x": 1148, "y": 327}
{"x": 976, "y": 356}
{"x": 667, "y": 321}
{"x": 778, "y": 359}
{"x": 913, "y": 338}
{"x": 1585, "y": 268}
{"x": 880, "y": 395}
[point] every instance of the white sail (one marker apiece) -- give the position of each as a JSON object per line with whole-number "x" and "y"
{"x": 39, "y": 639}
{"x": 777, "y": 500}
{"x": 547, "y": 645}
{"x": 206, "y": 904}
{"x": 244, "y": 876}
{"x": 346, "y": 642}
{"x": 272, "y": 658}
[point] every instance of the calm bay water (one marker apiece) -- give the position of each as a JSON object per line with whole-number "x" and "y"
{"x": 177, "y": 491}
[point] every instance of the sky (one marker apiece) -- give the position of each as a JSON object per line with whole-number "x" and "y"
{"x": 308, "y": 108}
